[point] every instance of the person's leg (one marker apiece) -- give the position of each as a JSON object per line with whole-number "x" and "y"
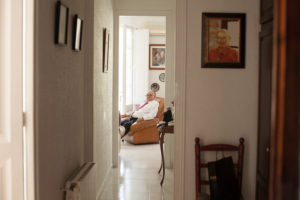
{"x": 124, "y": 122}
{"x": 127, "y": 124}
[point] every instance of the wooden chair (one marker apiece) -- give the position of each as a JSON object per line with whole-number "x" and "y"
{"x": 217, "y": 147}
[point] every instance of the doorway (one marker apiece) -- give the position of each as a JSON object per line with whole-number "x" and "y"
{"x": 135, "y": 37}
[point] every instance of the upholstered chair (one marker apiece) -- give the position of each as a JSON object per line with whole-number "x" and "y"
{"x": 146, "y": 131}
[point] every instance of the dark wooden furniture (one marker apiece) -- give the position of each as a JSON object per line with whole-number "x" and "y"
{"x": 285, "y": 131}
{"x": 265, "y": 95}
{"x": 162, "y": 131}
{"x": 217, "y": 147}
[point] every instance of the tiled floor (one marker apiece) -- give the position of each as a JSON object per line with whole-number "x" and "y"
{"x": 137, "y": 177}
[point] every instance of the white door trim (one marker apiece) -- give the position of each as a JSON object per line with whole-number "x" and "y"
{"x": 29, "y": 99}
{"x": 170, "y": 40}
{"x": 180, "y": 84}
{"x": 180, "y": 99}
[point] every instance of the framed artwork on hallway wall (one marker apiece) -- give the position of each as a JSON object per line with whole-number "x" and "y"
{"x": 157, "y": 56}
{"x": 77, "y": 33}
{"x": 223, "y": 40}
{"x": 61, "y": 24}
{"x": 105, "y": 50}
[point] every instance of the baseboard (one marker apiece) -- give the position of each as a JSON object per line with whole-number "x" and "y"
{"x": 101, "y": 188}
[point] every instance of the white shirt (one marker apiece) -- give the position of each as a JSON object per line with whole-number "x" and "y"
{"x": 149, "y": 111}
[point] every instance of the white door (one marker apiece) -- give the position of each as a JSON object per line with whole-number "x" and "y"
{"x": 11, "y": 138}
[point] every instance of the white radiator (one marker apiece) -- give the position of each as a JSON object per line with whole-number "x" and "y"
{"x": 77, "y": 182}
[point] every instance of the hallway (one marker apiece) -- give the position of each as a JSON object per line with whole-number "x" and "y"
{"x": 137, "y": 177}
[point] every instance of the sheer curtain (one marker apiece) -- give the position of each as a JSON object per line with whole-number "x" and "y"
{"x": 133, "y": 67}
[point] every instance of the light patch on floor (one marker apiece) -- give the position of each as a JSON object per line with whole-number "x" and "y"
{"x": 138, "y": 178}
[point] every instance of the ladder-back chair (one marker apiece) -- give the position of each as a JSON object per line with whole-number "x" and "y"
{"x": 217, "y": 147}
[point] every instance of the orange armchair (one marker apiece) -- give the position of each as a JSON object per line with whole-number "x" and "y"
{"x": 146, "y": 131}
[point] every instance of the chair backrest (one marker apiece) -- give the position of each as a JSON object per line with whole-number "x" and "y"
{"x": 160, "y": 112}
{"x": 217, "y": 147}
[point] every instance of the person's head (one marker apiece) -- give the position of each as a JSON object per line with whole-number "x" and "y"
{"x": 223, "y": 38}
{"x": 150, "y": 95}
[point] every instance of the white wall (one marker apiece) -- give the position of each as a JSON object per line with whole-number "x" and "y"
{"x": 66, "y": 104}
{"x": 154, "y": 74}
{"x": 103, "y": 83}
{"x": 59, "y": 101}
{"x": 221, "y": 104}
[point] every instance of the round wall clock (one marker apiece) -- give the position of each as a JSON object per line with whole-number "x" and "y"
{"x": 155, "y": 87}
{"x": 162, "y": 77}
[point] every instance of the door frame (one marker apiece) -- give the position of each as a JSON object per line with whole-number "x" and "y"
{"x": 285, "y": 144}
{"x": 29, "y": 8}
{"x": 179, "y": 79}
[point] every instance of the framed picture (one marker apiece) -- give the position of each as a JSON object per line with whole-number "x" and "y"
{"x": 223, "y": 40}
{"x": 157, "y": 56}
{"x": 105, "y": 49}
{"x": 61, "y": 24}
{"x": 77, "y": 33}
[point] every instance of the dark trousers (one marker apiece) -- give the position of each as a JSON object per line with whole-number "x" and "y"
{"x": 127, "y": 124}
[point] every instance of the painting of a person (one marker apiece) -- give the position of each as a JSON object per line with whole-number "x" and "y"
{"x": 223, "y": 52}
{"x": 158, "y": 58}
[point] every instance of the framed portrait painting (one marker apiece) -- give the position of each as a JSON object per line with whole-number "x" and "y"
{"x": 223, "y": 40}
{"x": 157, "y": 56}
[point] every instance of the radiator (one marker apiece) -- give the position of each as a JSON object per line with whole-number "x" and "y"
{"x": 76, "y": 184}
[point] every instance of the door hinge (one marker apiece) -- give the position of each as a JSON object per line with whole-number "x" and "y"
{"x": 24, "y": 119}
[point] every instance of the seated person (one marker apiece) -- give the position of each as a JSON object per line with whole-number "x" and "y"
{"x": 146, "y": 111}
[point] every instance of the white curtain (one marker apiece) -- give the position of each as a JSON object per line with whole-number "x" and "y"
{"x": 133, "y": 67}
{"x": 140, "y": 71}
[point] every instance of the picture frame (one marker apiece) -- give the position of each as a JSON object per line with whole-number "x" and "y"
{"x": 157, "y": 57}
{"x": 61, "y": 24}
{"x": 223, "y": 40}
{"x": 106, "y": 36}
{"x": 77, "y": 33}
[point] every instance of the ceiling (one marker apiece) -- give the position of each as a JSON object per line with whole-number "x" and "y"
{"x": 155, "y": 24}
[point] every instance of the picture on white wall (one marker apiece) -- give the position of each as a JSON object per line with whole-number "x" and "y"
{"x": 105, "y": 50}
{"x": 157, "y": 56}
{"x": 223, "y": 40}
{"x": 162, "y": 77}
{"x": 77, "y": 33}
{"x": 155, "y": 87}
{"x": 61, "y": 24}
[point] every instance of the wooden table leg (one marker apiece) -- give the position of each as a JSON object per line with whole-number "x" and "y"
{"x": 160, "y": 151}
{"x": 161, "y": 141}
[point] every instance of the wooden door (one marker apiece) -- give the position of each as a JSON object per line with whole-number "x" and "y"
{"x": 11, "y": 135}
{"x": 285, "y": 135}
{"x": 265, "y": 97}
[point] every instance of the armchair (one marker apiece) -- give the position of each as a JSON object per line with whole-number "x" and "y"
{"x": 146, "y": 131}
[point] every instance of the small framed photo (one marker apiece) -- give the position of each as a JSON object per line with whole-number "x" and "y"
{"x": 61, "y": 24}
{"x": 157, "y": 56}
{"x": 105, "y": 49}
{"x": 223, "y": 40}
{"x": 77, "y": 33}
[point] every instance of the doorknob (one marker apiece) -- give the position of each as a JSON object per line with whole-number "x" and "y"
{"x": 268, "y": 149}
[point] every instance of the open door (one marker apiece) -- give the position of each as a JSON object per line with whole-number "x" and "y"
{"x": 11, "y": 120}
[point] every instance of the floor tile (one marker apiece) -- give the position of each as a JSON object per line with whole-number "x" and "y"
{"x": 137, "y": 177}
